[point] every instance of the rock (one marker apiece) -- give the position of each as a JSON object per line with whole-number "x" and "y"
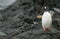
{"x": 16, "y": 22}
{"x": 2, "y": 34}
{"x": 57, "y": 10}
{"x": 5, "y": 3}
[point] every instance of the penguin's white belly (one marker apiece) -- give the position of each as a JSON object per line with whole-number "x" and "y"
{"x": 46, "y": 20}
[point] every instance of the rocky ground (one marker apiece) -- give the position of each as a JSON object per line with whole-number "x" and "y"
{"x": 17, "y": 21}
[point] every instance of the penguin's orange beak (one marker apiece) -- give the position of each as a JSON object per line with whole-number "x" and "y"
{"x": 39, "y": 17}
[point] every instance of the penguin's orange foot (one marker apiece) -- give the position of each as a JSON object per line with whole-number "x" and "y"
{"x": 49, "y": 29}
{"x": 44, "y": 29}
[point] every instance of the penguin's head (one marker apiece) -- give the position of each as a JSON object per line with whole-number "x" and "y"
{"x": 46, "y": 8}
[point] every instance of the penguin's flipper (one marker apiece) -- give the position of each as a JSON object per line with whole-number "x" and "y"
{"x": 39, "y": 17}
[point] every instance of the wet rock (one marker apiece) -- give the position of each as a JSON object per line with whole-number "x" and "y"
{"x": 57, "y": 10}
{"x": 2, "y": 34}
{"x": 5, "y": 3}
{"x": 19, "y": 20}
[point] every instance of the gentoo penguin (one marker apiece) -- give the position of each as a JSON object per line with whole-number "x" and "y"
{"x": 46, "y": 20}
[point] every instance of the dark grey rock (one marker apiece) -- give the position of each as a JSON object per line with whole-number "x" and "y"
{"x": 17, "y": 21}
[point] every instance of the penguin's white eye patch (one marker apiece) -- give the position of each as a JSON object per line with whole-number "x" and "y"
{"x": 45, "y": 7}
